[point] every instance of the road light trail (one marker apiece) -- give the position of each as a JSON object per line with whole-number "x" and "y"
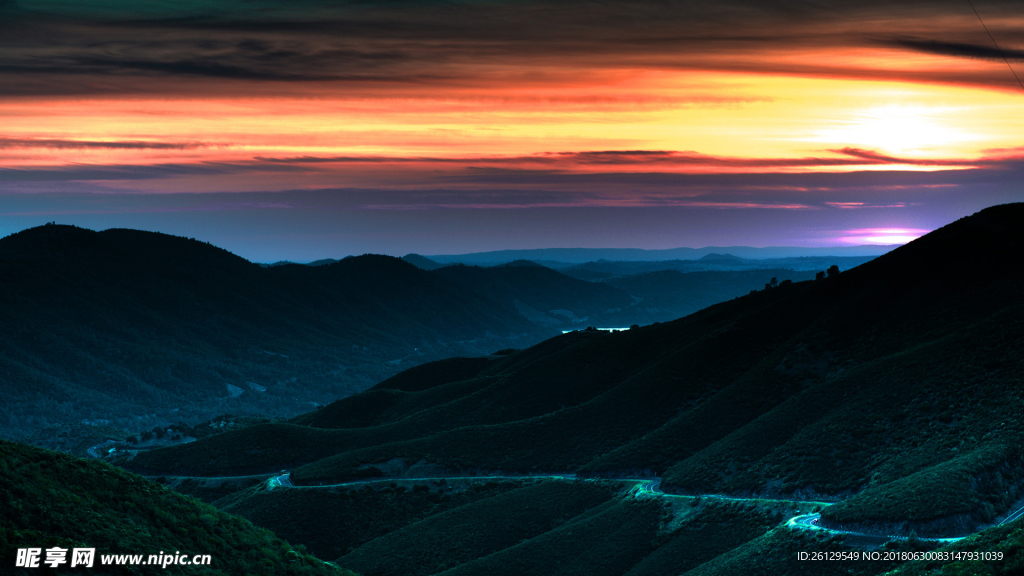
{"x": 644, "y": 488}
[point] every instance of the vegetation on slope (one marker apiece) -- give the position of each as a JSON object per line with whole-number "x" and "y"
{"x": 860, "y": 382}
{"x": 994, "y": 552}
{"x": 142, "y": 328}
{"x": 604, "y": 541}
{"x": 139, "y": 328}
{"x": 711, "y": 530}
{"x": 52, "y": 499}
{"x": 333, "y": 522}
{"x": 478, "y": 529}
{"x": 670, "y": 294}
{"x": 947, "y": 499}
{"x": 777, "y": 551}
{"x": 487, "y": 526}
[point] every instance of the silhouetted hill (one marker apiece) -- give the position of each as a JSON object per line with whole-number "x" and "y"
{"x": 540, "y": 294}
{"x": 55, "y": 500}
{"x": 421, "y": 262}
{"x": 896, "y": 382}
{"x": 322, "y": 262}
{"x": 135, "y": 328}
{"x": 714, "y": 257}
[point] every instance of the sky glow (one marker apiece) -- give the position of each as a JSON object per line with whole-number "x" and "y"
{"x": 236, "y": 119}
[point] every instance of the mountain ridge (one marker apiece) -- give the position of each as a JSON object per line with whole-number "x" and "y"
{"x": 142, "y": 328}
{"x": 582, "y": 255}
{"x": 747, "y": 396}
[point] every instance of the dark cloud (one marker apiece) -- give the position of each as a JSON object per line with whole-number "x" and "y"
{"x": 191, "y": 67}
{"x": 243, "y": 60}
{"x": 462, "y": 43}
{"x": 86, "y": 144}
{"x": 84, "y": 173}
{"x": 557, "y": 181}
{"x": 810, "y": 186}
{"x": 988, "y": 52}
{"x": 387, "y": 159}
{"x": 650, "y": 158}
{"x": 873, "y": 157}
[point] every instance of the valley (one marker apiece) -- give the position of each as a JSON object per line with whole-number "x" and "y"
{"x": 873, "y": 408}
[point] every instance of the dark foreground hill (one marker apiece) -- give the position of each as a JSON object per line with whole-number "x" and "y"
{"x": 134, "y": 328}
{"x": 894, "y": 387}
{"x": 52, "y": 500}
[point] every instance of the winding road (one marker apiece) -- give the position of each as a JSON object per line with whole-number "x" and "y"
{"x": 652, "y": 488}
{"x": 1012, "y": 516}
{"x": 644, "y": 488}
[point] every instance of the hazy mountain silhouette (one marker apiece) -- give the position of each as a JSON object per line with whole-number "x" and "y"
{"x": 570, "y": 256}
{"x": 714, "y": 257}
{"x": 421, "y": 262}
{"x": 320, "y": 262}
{"x": 603, "y": 270}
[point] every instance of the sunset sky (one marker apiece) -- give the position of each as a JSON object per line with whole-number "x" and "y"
{"x": 302, "y": 130}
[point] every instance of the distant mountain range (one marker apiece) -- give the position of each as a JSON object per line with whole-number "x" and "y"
{"x": 604, "y": 270}
{"x": 893, "y": 388}
{"x": 565, "y": 256}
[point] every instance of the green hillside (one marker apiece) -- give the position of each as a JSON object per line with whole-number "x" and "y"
{"x": 670, "y": 294}
{"x": 333, "y": 522}
{"x": 54, "y": 500}
{"x": 133, "y": 329}
{"x": 896, "y": 382}
{"x": 993, "y": 552}
{"x": 490, "y": 526}
{"x": 485, "y": 527}
{"x": 776, "y": 552}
